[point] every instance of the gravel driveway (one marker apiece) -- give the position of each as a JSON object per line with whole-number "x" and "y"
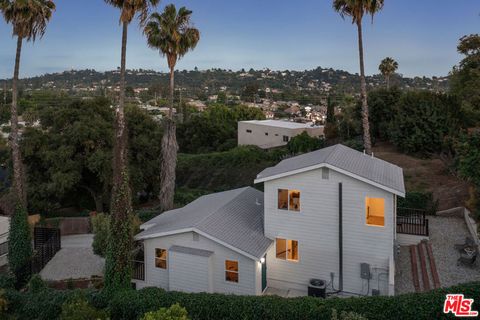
{"x": 75, "y": 260}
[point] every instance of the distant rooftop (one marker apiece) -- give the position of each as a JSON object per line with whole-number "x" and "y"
{"x": 282, "y": 124}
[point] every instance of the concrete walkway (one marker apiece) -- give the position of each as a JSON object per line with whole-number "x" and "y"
{"x": 75, "y": 260}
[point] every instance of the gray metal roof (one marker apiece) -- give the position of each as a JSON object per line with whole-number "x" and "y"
{"x": 376, "y": 170}
{"x": 234, "y": 217}
{"x": 191, "y": 251}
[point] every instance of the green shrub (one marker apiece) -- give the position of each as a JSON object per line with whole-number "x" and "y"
{"x": 78, "y": 308}
{"x": 419, "y": 200}
{"x": 175, "y": 312}
{"x": 347, "y": 316}
{"x": 7, "y": 281}
{"x": 101, "y": 227}
{"x": 303, "y": 143}
{"x": 3, "y": 302}
{"x": 416, "y": 306}
{"x": 131, "y": 304}
{"x": 19, "y": 246}
{"x": 36, "y": 284}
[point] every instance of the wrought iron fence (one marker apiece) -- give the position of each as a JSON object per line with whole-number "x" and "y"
{"x": 412, "y": 221}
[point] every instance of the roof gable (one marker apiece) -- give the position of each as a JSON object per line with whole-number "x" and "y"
{"x": 358, "y": 165}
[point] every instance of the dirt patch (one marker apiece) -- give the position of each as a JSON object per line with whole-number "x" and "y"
{"x": 427, "y": 175}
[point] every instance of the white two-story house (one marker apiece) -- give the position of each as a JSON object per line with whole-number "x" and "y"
{"x": 329, "y": 215}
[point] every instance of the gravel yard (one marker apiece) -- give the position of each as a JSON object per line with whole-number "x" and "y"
{"x": 75, "y": 260}
{"x": 445, "y": 232}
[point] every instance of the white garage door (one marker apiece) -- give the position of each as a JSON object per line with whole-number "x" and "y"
{"x": 189, "y": 270}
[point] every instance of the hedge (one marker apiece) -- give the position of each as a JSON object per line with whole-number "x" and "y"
{"x": 429, "y": 305}
{"x": 131, "y": 305}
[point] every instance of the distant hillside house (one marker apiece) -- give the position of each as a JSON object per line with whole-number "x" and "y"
{"x": 273, "y": 133}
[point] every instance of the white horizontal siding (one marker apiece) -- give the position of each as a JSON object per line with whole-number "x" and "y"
{"x": 247, "y": 284}
{"x": 189, "y": 273}
{"x": 316, "y": 227}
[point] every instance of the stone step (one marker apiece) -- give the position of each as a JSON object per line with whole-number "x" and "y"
{"x": 423, "y": 267}
{"x": 433, "y": 266}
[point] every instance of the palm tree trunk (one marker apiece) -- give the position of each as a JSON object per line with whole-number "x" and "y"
{"x": 172, "y": 91}
{"x": 363, "y": 91}
{"x": 169, "y": 155}
{"x": 18, "y": 170}
{"x": 117, "y": 263}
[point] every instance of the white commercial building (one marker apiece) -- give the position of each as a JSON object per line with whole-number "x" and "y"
{"x": 273, "y": 133}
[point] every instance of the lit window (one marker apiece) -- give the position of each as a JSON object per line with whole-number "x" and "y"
{"x": 375, "y": 211}
{"x": 287, "y": 249}
{"x": 294, "y": 200}
{"x": 289, "y": 199}
{"x": 231, "y": 271}
{"x": 161, "y": 258}
{"x": 283, "y": 199}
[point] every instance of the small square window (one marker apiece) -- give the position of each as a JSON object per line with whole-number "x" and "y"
{"x": 161, "y": 258}
{"x": 286, "y": 138}
{"x": 287, "y": 249}
{"x": 231, "y": 271}
{"x": 266, "y": 133}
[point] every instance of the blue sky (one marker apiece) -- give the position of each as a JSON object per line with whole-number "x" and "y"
{"x": 420, "y": 34}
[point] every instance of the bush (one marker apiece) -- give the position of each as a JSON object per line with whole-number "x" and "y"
{"x": 347, "y": 316}
{"x": 419, "y": 200}
{"x": 175, "y": 312}
{"x": 303, "y": 143}
{"x": 78, "y": 308}
{"x": 7, "y": 281}
{"x": 418, "y": 306}
{"x": 101, "y": 227}
{"x": 19, "y": 246}
{"x": 36, "y": 284}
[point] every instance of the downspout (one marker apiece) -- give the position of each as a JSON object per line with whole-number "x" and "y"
{"x": 340, "y": 238}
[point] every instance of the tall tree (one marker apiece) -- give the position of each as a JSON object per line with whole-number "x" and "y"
{"x": 117, "y": 264}
{"x": 171, "y": 32}
{"x": 387, "y": 67}
{"x": 29, "y": 19}
{"x": 356, "y": 10}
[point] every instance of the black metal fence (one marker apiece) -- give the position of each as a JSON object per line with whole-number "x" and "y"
{"x": 412, "y": 221}
{"x": 138, "y": 268}
{"x": 46, "y": 243}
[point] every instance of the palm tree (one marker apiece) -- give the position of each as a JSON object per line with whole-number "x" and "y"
{"x": 356, "y": 9}
{"x": 117, "y": 264}
{"x": 387, "y": 67}
{"x": 29, "y": 19}
{"x": 171, "y": 33}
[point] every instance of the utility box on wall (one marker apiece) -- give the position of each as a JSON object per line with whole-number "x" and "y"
{"x": 365, "y": 271}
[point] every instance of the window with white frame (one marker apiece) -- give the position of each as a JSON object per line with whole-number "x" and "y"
{"x": 231, "y": 271}
{"x": 161, "y": 258}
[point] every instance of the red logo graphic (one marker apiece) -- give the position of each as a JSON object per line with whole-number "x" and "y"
{"x": 459, "y": 306}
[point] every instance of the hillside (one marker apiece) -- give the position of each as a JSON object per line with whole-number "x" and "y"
{"x": 427, "y": 175}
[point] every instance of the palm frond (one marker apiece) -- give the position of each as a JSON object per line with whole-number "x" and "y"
{"x": 29, "y": 18}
